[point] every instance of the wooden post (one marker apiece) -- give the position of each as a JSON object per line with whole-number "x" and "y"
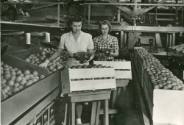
{"x": 66, "y": 112}
{"x": 58, "y": 15}
{"x": 106, "y": 119}
{"x": 73, "y": 113}
{"x": 89, "y": 13}
{"x": 119, "y": 16}
{"x": 93, "y": 113}
{"x": 122, "y": 42}
{"x": 98, "y": 113}
{"x": 182, "y": 15}
{"x": 173, "y": 39}
{"x": 28, "y": 38}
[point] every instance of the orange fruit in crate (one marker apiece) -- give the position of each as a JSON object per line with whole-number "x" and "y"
{"x": 27, "y": 72}
{"x": 35, "y": 73}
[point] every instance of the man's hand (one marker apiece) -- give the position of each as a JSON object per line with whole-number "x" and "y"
{"x": 44, "y": 64}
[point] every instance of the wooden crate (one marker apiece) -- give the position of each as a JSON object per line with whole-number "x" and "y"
{"x": 122, "y": 68}
{"x": 81, "y": 79}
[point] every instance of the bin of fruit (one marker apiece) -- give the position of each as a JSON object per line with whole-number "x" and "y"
{"x": 155, "y": 84}
{"x": 41, "y": 54}
{"x": 161, "y": 77}
{"x": 23, "y": 85}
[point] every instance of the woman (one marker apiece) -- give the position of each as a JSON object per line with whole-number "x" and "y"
{"x": 106, "y": 45}
{"x": 74, "y": 42}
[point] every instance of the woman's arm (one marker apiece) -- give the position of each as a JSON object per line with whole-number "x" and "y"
{"x": 92, "y": 53}
{"x": 115, "y": 46}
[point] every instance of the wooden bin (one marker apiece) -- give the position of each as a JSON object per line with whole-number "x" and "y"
{"x": 81, "y": 79}
{"x": 23, "y": 100}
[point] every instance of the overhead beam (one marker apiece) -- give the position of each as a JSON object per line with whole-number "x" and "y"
{"x": 139, "y": 4}
{"x": 157, "y": 29}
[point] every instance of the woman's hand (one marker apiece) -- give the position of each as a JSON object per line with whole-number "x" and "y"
{"x": 44, "y": 64}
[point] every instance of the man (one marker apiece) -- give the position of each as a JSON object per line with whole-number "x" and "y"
{"x": 74, "y": 42}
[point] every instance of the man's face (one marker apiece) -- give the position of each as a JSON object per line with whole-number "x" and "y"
{"x": 105, "y": 29}
{"x": 76, "y": 27}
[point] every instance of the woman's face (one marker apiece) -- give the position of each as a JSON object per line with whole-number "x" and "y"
{"x": 104, "y": 29}
{"x": 76, "y": 27}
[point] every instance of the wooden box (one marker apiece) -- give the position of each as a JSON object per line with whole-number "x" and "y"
{"x": 81, "y": 79}
{"x": 122, "y": 68}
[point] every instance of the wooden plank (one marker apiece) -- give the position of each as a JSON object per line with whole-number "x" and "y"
{"x": 139, "y": 4}
{"x": 66, "y": 113}
{"x": 73, "y": 113}
{"x": 58, "y": 14}
{"x": 111, "y": 111}
{"x": 122, "y": 41}
{"x": 89, "y": 14}
{"x": 154, "y": 29}
{"x": 98, "y": 113}
{"x": 33, "y": 2}
{"x": 106, "y": 108}
{"x": 93, "y": 113}
{"x": 158, "y": 40}
{"x": 50, "y": 25}
{"x": 92, "y": 85}
{"x": 165, "y": 19}
{"x": 167, "y": 14}
{"x": 91, "y": 73}
{"x": 119, "y": 15}
{"x": 43, "y": 6}
{"x": 32, "y": 113}
{"x": 86, "y": 98}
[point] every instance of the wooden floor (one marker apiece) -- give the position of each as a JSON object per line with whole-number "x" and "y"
{"x": 127, "y": 112}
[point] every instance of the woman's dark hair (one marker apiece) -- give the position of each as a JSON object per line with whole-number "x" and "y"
{"x": 75, "y": 19}
{"x": 105, "y": 22}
